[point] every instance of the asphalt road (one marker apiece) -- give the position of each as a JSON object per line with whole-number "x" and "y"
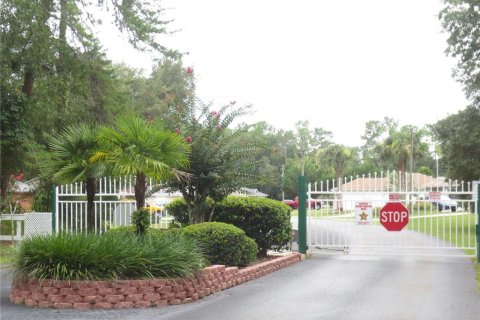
{"x": 330, "y": 286}
{"x": 326, "y": 286}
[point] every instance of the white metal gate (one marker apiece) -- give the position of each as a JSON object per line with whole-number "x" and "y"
{"x": 114, "y": 204}
{"x": 437, "y": 225}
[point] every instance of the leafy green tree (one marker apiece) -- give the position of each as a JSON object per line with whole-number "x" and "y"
{"x": 49, "y": 52}
{"x": 134, "y": 146}
{"x": 221, "y": 160}
{"x": 460, "y": 19}
{"x": 459, "y": 137}
{"x": 72, "y": 150}
{"x": 169, "y": 91}
{"x": 308, "y": 140}
{"x": 338, "y": 156}
{"x": 14, "y": 134}
{"x": 375, "y": 133}
{"x": 400, "y": 146}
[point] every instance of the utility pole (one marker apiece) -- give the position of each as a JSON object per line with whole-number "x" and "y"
{"x": 411, "y": 158}
{"x": 283, "y": 174}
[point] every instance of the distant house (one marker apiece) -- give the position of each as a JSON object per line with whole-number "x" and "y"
{"x": 24, "y": 192}
{"x": 248, "y": 192}
{"x": 163, "y": 197}
{"x": 377, "y": 189}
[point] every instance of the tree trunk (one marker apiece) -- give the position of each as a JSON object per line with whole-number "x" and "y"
{"x": 91, "y": 191}
{"x": 28, "y": 79}
{"x": 62, "y": 48}
{"x": 212, "y": 212}
{"x": 140, "y": 190}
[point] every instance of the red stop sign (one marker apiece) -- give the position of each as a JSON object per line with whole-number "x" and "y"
{"x": 394, "y": 216}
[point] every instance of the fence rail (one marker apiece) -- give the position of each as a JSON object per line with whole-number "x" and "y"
{"x": 114, "y": 204}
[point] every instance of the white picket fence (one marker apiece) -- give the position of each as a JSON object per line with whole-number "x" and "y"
{"x": 114, "y": 204}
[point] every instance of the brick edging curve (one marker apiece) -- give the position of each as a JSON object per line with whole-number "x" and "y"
{"x": 123, "y": 294}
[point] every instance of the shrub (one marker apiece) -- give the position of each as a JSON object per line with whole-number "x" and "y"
{"x": 178, "y": 210}
{"x": 109, "y": 256}
{"x": 223, "y": 243}
{"x": 141, "y": 221}
{"x": 266, "y": 221}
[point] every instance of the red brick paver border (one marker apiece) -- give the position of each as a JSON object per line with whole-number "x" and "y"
{"x": 125, "y": 294}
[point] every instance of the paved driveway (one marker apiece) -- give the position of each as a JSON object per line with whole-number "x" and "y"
{"x": 330, "y": 286}
{"x": 325, "y": 286}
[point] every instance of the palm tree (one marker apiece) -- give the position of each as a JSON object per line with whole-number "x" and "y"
{"x": 338, "y": 156}
{"x": 134, "y": 146}
{"x": 72, "y": 150}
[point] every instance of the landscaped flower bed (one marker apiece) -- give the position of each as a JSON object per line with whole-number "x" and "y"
{"x": 122, "y": 294}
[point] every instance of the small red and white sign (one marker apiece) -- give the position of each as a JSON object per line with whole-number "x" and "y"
{"x": 434, "y": 195}
{"x": 394, "y": 196}
{"x": 363, "y": 213}
{"x": 394, "y": 216}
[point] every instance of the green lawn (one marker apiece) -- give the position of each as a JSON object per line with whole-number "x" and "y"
{"x": 6, "y": 252}
{"x": 458, "y": 230}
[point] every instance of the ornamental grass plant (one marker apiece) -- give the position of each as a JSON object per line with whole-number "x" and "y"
{"x": 108, "y": 256}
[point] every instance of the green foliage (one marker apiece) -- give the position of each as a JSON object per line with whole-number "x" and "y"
{"x": 55, "y": 73}
{"x": 337, "y": 156}
{"x": 129, "y": 229}
{"x": 223, "y": 243}
{"x": 142, "y": 148}
{"x": 141, "y": 221}
{"x": 72, "y": 151}
{"x": 109, "y": 256}
{"x": 459, "y": 137}
{"x": 425, "y": 170}
{"x": 13, "y": 133}
{"x": 132, "y": 230}
{"x": 166, "y": 93}
{"x": 178, "y": 209}
{"x": 42, "y": 199}
{"x": 460, "y": 21}
{"x": 221, "y": 160}
{"x": 266, "y": 221}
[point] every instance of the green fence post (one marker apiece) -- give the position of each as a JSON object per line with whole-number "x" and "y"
{"x": 478, "y": 222}
{"x": 53, "y": 207}
{"x": 302, "y": 215}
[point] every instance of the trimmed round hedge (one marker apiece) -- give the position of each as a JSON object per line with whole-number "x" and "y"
{"x": 223, "y": 243}
{"x": 267, "y": 221}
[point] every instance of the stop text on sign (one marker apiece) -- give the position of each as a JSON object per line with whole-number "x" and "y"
{"x": 394, "y": 216}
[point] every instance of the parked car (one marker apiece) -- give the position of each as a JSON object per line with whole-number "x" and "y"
{"x": 445, "y": 203}
{"x": 294, "y": 203}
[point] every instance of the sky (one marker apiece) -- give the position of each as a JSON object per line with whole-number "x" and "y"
{"x": 337, "y": 64}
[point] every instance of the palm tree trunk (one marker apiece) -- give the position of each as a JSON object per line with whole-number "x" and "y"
{"x": 140, "y": 190}
{"x": 91, "y": 191}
